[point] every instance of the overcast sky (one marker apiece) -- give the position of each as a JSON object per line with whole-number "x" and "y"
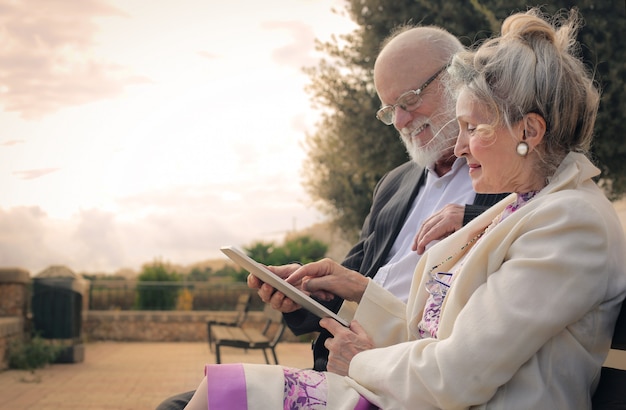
{"x": 135, "y": 130}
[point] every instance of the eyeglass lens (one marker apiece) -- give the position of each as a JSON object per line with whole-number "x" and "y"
{"x": 409, "y": 101}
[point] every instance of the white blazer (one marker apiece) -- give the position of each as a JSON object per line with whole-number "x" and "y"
{"x": 528, "y": 321}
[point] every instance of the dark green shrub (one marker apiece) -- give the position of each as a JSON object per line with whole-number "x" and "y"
{"x": 32, "y": 354}
{"x": 154, "y": 288}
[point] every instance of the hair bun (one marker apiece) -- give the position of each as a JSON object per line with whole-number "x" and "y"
{"x": 532, "y": 27}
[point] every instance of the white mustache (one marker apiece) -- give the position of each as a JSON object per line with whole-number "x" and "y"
{"x": 435, "y": 137}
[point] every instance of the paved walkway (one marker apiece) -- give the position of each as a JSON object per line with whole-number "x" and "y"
{"x": 136, "y": 376}
{"x": 133, "y": 375}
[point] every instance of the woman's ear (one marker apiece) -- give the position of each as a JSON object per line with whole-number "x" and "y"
{"x": 534, "y": 129}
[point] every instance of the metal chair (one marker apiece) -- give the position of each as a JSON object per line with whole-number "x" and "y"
{"x": 241, "y": 309}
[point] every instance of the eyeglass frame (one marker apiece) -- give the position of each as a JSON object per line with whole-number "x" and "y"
{"x": 392, "y": 107}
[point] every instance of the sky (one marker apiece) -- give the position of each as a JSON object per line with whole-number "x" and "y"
{"x": 140, "y": 130}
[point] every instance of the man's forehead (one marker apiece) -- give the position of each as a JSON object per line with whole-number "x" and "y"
{"x": 401, "y": 81}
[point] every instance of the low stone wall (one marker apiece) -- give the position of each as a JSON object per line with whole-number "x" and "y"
{"x": 162, "y": 326}
{"x": 13, "y": 306}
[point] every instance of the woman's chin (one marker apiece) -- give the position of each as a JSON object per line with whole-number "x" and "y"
{"x": 481, "y": 188}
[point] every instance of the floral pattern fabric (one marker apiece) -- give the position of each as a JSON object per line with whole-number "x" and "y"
{"x": 304, "y": 389}
{"x": 440, "y": 282}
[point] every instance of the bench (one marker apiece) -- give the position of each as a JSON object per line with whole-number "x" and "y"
{"x": 611, "y": 391}
{"x": 241, "y": 310}
{"x": 252, "y": 338}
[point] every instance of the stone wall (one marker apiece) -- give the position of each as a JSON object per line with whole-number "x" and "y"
{"x": 13, "y": 307}
{"x": 162, "y": 326}
{"x": 13, "y": 292}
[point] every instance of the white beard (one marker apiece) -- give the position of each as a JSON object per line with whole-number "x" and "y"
{"x": 443, "y": 140}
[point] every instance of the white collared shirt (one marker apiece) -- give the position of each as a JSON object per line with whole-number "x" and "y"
{"x": 455, "y": 187}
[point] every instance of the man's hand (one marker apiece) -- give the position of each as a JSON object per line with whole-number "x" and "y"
{"x": 442, "y": 223}
{"x": 344, "y": 344}
{"x": 268, "y": 294}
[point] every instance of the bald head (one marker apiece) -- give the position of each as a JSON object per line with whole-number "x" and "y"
{"x": 414, "y": 54}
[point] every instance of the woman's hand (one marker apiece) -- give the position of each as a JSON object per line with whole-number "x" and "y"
{"x": 269, "y": 294}
{"x": 326, "y": 278}
{"x": 344, "y": 345}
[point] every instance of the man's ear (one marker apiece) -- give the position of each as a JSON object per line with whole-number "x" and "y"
{"x": 534, "y": 129}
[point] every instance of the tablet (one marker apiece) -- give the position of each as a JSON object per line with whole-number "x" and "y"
{"x": 269, "y": 277}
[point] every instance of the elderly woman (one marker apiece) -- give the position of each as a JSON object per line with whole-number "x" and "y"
{"x": 514, "y": 311}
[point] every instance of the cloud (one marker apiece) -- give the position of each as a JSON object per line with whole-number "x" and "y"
{"x": 298, "y": 123}
{"x": 11, "y": 142}
{"x": 34, "y": 173}
{"x": 299, "y": 53}
{"x": 45, "y": 59}
{"x": 23, "y": 238}
{"x": 97, "y": 239}
{"x": 208, "y": 55}
{"x": 183, "y": 225}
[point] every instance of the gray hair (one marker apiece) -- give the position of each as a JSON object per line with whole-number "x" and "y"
{"x": 534, "y": 67}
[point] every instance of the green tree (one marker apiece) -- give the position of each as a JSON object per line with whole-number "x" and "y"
{"x": 235, "y": 274}
{"x": 303, "y": 249}
{"x": 200, "y": 274}
{"x": 351, "y": 150}
{"x": 153, "y": 292}
{"x": 261, "y": 251}
{"x": 226, "y": 271}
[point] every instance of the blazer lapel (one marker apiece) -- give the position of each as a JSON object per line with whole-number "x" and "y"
{"x": 389, "y": 224}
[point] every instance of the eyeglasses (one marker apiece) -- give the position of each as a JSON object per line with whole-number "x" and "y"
{"x": 409, "y": 101}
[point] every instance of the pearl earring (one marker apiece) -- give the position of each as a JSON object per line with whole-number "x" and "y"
{"x": 522, "y": 149}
